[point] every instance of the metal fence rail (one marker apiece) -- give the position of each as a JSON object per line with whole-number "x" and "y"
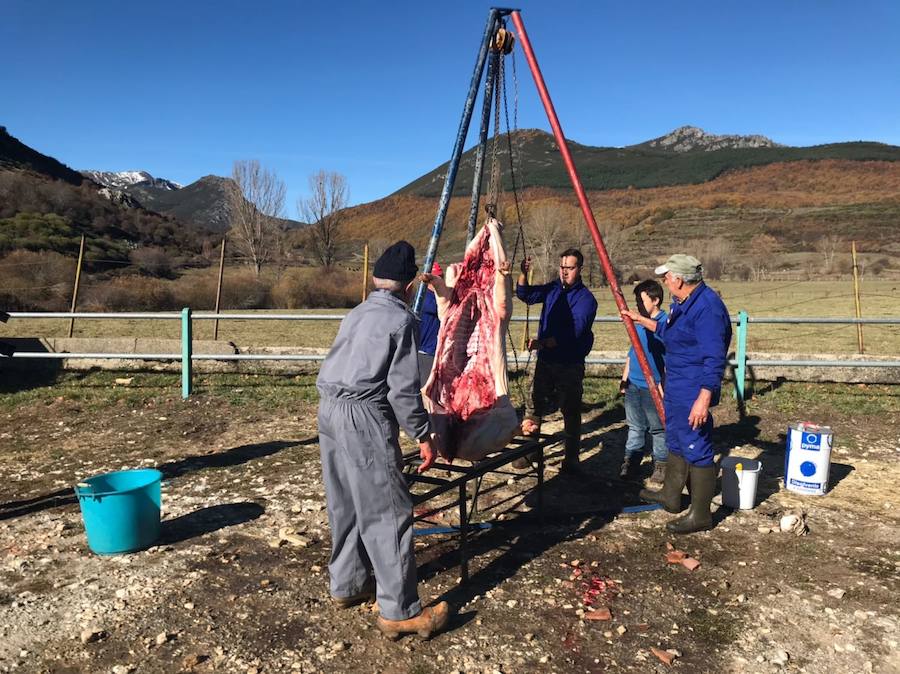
{"x": 740, "y": 362}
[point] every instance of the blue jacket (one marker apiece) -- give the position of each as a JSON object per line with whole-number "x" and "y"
{"x": 567, "y": 316}
{"x": 429, "y": 324}
{"x": 655, "y": 351}
{"x": 696, "y": 334}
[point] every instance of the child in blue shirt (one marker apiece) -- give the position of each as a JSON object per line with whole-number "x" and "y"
{"x": 640, "y": 412}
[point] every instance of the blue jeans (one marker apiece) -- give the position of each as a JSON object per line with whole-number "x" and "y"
{"x": 641, "y": 416}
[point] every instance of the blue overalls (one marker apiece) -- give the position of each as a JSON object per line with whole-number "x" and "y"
{"x": 696, "y": 335}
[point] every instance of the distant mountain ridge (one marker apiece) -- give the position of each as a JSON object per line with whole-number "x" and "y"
{"x": 686, "y": 156}
{"x": 204, "y": 201}
{"x": 691, "y": 138}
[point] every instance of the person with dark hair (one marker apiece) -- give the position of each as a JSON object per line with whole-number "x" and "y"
{"x": 429, "y": 327}
{"x": 563, "y": 341}
{"x": 368, "y": 388}
{"x": 696, "y": 334}
{"x": 640, "y": 412}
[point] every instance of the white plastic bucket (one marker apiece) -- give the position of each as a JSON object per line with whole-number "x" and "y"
{"x": 807, "y": 459}
{"x": 739, "y": 486}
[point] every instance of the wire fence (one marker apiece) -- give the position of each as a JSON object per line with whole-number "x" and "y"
{"x": 740, "y": 362}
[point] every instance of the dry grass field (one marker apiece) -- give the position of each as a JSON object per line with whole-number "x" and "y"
{"x": 759, "y": 299}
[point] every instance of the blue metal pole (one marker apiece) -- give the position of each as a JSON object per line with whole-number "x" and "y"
{"x": 482, "y": 143}
{"x": 741, "y": 357}
{"x": 186, "y": 337}
{"x": 453, "y": 167}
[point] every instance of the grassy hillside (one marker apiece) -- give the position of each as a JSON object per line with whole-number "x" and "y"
{"x": 16, "y": 155}
{"x": 538, "y": 163}
{"x": 796, "y": 203}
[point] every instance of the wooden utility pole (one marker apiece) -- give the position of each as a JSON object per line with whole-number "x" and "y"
{"x": 219, "y": 290}
{"x": 365, "y": 270}
{"x": 859, "y": 330}
{"x": 77, "y": 283}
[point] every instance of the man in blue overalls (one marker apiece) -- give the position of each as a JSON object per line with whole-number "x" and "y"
{"x": 696, "y": 336}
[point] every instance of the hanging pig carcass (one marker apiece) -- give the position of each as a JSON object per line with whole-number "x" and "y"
{"x": 467, "y": 392}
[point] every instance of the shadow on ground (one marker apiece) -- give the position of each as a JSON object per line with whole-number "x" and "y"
{"x": 173, "y": 469}
{"x": 207, "y": 520}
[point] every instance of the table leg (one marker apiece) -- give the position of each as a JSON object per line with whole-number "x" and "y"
{"x": 463, "y": 535}
{"x": 540, "y": 484}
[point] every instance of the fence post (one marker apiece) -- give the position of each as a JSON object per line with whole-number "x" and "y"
{"x": 186, "y": 350}
{"x": 859, "y": 327}
{"x": 77, "y": 284}
{"x": 741, "y": 357}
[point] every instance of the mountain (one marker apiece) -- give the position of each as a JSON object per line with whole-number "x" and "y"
{"x": 686, "y": 156}
{"x": 800, "y": 204}
{"x": 14, "y": 154}
{"x": 121, "y": 180}
{"x": 204, "y": 202}
{"x": 692, "y": 138}
{"x": 45, "y": 205}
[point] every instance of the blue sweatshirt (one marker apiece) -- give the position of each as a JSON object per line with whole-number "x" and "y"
{"x": 696, "y": 334}
{"x": 567, "y": 316}
{"x": 429, "y": 324}
{"x": 655, "y": 351}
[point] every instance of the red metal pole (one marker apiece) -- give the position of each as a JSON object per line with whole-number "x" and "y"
{"x": 585, "y": 207}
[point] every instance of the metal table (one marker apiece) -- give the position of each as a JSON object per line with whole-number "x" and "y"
{"x": 459, "y": 476}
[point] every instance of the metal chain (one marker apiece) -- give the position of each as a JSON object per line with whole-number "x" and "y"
{"x": 495, "y": 181}
{"x": 494, "y": 187}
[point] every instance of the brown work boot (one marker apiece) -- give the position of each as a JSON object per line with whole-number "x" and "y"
{"x": 366, "y": 594}
{"x": 522, "y": 462}
{"x": 432, "y": 619}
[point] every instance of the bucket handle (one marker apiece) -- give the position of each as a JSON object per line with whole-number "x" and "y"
{"x": 89, "y": 490}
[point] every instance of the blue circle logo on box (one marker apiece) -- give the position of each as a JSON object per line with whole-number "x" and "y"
{"x": 808, "y": 468}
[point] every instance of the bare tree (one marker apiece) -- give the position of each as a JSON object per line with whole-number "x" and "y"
{"x": 828, "y": 246}
{"x": 256, "y": 200}
{"x": 323, "y": 210}
{"x": 546, "y": 234}
{"x": 763, "y": 248}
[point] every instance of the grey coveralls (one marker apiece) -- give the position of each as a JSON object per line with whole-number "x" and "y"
{"x": 368, "y": 387}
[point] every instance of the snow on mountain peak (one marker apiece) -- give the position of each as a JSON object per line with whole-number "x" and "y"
{"x": 123, "y": 179}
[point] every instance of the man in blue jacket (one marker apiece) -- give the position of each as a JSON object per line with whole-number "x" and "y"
{"x": 429, "y": 327}
{"x": 563, "y": 342}
{"x": 696, "y": 335}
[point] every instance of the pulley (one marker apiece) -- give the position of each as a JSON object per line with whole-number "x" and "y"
{"x": 503, "y": 41}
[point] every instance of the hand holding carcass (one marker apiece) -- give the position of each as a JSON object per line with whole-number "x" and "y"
{"x": 428, "y": 450}
{"x": 437, "y": 284}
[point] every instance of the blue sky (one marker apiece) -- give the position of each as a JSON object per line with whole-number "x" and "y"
{"x": 374, "y": 90}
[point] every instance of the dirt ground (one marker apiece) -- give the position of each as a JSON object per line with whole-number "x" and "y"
{"x": 238, "y": 582}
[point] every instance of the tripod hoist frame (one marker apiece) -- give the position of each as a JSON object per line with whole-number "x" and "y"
{"x": 495, "y": 43}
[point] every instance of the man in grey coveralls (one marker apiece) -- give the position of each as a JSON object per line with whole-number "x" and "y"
{"x": 369, "y": 386}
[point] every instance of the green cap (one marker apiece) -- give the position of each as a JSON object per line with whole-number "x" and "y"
{"x": 680, "y": 263}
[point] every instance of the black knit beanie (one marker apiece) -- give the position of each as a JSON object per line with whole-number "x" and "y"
{"x": 397, "y": 263}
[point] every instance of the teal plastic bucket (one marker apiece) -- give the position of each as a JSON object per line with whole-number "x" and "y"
{"x": 121, "y": 510}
